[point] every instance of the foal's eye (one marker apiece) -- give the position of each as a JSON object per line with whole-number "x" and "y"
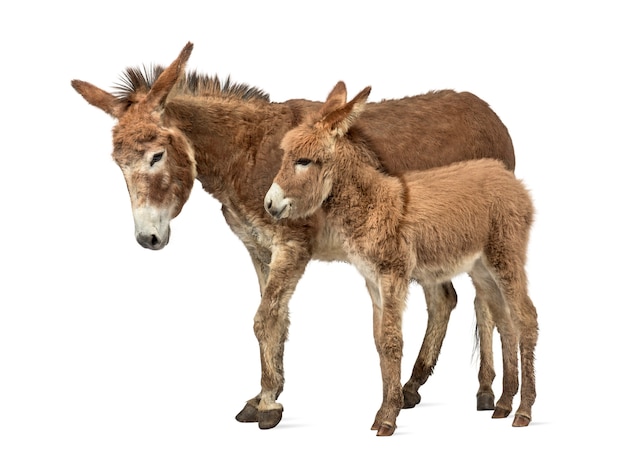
{"x": 156, "y": 157}
{"x": 303, "y": 162}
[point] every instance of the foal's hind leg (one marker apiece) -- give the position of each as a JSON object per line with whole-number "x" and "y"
{"x": 440, "y": 301}
{"x": 528, "y": 342}
{"x": 492, "y": 309}
{"x": 488, "y": 306}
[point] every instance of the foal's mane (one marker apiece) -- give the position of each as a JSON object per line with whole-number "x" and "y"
{"x": 137, "y": 81}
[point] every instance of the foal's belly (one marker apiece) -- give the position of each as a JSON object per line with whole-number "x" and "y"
{"x": 432, "y": 274}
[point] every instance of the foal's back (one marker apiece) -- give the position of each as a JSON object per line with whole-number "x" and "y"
{"x": 455, "y": 212}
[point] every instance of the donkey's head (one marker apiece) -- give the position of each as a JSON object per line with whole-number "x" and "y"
{"x": 307, "y": 172}
{"x": 157, "y": 162}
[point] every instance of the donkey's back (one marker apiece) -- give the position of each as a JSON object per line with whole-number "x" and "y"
{"x": 435, "y": 129}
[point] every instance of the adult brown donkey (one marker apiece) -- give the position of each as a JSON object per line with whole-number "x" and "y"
{"x": 173, "y": 127}
{"x": 425, "y": 226}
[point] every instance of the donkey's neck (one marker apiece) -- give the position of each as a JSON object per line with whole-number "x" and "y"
{"x": 229, "y": 136}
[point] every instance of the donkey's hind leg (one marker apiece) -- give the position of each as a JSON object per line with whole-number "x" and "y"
{"x": 440, "y": 301}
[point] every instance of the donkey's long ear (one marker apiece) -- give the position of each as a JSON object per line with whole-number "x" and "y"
{"x": 166, "y": 81}
{"x": 99, "y": 98}
{"x": 341, "y": 119}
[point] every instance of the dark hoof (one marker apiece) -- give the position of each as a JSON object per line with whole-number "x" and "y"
{"x": 485, "y": 401}
{"x": 521, "y": 421}
{"x": 249, "y": 414}
{"x": 270, "y": 418}
{"x": 500, "y": 413}
{"x": 411, "y": 399}
{"x": 385, "y": 430}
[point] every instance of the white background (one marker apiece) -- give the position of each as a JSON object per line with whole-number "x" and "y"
{"x": 110, "y": 349}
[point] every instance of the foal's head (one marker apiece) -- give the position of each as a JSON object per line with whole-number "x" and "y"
{"x": 157, "y": 162}
{"x": 308, "y": 168}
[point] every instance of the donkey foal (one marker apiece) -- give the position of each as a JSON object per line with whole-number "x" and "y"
{"x": 427, "y": 226}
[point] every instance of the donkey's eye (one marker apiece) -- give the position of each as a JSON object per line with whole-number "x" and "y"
{"x": 303, "y": 162}
{"x": 155, "y": 158}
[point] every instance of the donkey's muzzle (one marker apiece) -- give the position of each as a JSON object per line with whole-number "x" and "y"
{"x": 152, "y": 241}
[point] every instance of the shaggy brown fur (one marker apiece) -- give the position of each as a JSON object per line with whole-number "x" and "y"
{"x": 174, "y": 127}
{"x": 426, "y": 226}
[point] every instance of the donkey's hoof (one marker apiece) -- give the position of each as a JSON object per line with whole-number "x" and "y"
{"x": 521, "y": 421}
{"x": 269, "y": 418}
{"x": 411, "y": 399}
{"x": 500, "y": 413}
{"x": 249, "y": 414}
{"x": 385, "y": 430}
{"x": 485, "y": 401}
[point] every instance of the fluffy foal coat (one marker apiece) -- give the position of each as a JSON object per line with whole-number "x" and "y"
{"x": 425, "y": 226}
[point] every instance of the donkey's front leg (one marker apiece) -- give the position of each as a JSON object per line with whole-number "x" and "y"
{"x": 271, "y": 325}
{"x": 440, "y": 301}
{"x": 388, "y": 335}
{"x": 260, "y": 259}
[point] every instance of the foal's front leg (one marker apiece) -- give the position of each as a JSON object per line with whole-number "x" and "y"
{"x": 271, "y": 324}
{"x": 388, "y": 336}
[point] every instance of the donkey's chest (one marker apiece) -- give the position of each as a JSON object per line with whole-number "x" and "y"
{"x": 255, "y": 235}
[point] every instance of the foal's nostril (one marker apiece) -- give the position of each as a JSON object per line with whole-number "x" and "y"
{"x": 154, "y": 241}
{"x": 268, "y": 204}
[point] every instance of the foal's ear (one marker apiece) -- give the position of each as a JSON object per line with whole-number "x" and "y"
{"x": 166, "y": 81}
{"x": 99, "y": 98}
{"x": 341, "y": 119}
{"x": 335, "y": 99}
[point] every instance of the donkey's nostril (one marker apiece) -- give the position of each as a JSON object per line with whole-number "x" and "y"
{"x": 154, "y": 241}
{"x": 268, "y": 204}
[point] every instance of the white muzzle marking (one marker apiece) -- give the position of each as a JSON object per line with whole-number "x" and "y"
{"x": 152, "y": 227}
{"x": 276, "y": 204}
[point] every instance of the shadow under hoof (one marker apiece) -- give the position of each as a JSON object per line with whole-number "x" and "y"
{"x": 521, "y": 421}
{"x": 500, "y": 413}
{"x": 411, "y": 399}
{"x": 269, "y": 418}
{"x": 485, "y": 402}
{"x": 249, "y": 414}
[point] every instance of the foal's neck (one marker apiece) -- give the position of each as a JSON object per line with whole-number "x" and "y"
{"x": 362, "y": 194}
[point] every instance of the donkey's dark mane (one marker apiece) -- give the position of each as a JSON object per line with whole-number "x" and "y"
{"x": 139, "y": 80}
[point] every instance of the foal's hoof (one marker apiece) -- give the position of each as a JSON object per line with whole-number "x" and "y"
{"x": 249, "y": 414}
{"x": 485, "y": 401}
{"x": 500, "y": 413}
{"x": 384, "y": 429}
{"x": 269, "y": 418}
{"x": 411, "y": 399}
{"x": 521, "y": 421}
